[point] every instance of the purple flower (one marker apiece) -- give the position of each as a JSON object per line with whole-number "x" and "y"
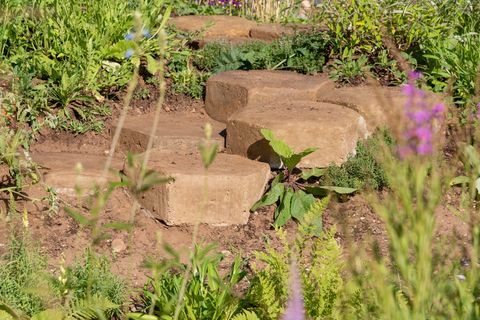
{"x": 419, "y": 133}
{"x": 295, "y": 309}
{"x": 129, "y": 53}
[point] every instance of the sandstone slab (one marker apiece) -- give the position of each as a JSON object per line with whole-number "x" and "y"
{"x": 270, "y": 31}
{"x": 380, "y": 106}
{"x": 176, "y": 132}
{"x": 223, "y": 196}
{"x": 67, "y": 171}
{"x": 214, "y": 26}
{"x": 333, "y": 129}
{"x": 231, "y": 91}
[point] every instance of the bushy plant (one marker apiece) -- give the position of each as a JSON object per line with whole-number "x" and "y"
{"x": 292, "y": 196}
{"x": 363, "y": 170}
{"x": 20, "y": 268}
{"x": 320, "y": 264}
{"x": 207, "y": 294}
{"x": 303, "y": 52}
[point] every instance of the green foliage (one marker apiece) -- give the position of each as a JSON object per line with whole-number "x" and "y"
{"x": 320, "y": 266}
{"x": 208, "y": 294}
{"x": 362, "y": 170}
{"x": 20, "y": 268}
{"x": 90, "y": 290}
{"x": 92, "y": 279}
{"x": 349, "y": 70}
{"x": 293, "y": 198}
{"x": 302, "y": 52}
{"x": 75, "y": 50}
{"x": 471, "y": 161}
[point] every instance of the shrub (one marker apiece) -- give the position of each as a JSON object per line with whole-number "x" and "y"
{"x": 20, "y": 268}
{"x": 362, "y": 170}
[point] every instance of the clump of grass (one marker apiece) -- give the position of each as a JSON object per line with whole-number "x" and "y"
{"x": 21, "y": 267}
{"x": 93, "y": 277}
{"x": 362, "y": 170}
{"x": 28, "y": 287}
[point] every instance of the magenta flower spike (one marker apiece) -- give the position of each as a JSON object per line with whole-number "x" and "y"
{"x": 419, "y": 133}
{"x": 295, "y": 308}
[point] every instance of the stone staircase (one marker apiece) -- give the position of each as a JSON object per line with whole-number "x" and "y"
{"x": 304, "y": 111}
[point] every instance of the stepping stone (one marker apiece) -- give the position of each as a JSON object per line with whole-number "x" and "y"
{"x": 175, "y": 132}
{"x": 380, "y": 106}
{"x": 214, "y": 26}
{"x": 231, "y": 91}
{"x": 231, "y": 41}
{"x": 333, "y": 129}
{"x": 234, "y": 185}
{"x": 270, "y": 31}
{"x": 59, "y": 170}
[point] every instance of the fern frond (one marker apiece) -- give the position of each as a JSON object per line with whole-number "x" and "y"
{"x": 246, "y": 315}
{"x": 92, "y": 308}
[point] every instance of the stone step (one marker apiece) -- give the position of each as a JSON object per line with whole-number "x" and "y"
{"x": 333, "y": 129}
{"x": 176, "y": 132}
{"x": 380, "y": 106}
{"x": 231, "y": 186}
{"x": 214, "y": 26}
{"x": 60, "y": 171}
{"x": 231, "y": 91}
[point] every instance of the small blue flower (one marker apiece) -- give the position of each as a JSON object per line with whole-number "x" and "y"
{"x": 130, "y": 36}
{"x": 146, "y": 33}
{"x": 129, "y": 53}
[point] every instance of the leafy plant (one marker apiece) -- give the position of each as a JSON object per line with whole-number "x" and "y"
{"x": 349, "y": 70}
{"x": 208, "y": 294}
{"x": 320, "y": 269}
{"x": 362, "y": 170}
{"x": 292, "y": 197}
{"x": 472, "y": 163}
{"x": 303, "y": 52}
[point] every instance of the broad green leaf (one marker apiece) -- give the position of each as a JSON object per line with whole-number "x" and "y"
{"x": 314, "y": 172}
{"x": 339, "y": 190}
{"x": 459, "y": 180}
{"x": 277, "y": 179}
{"x": 316, "y": 191}
{"x": 284, "y": 213}
{"x": 280, "y": 147}
{"x": 153, "y": 66}
{"x": 292, "y": 161}
{"x": 300, "y": 204}
{"x": 270, "y": 197}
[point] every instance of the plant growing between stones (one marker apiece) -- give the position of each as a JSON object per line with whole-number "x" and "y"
{"x": 288, "y": 189}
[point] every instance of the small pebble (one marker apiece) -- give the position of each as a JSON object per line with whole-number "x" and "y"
{"x": 118, "y": 245}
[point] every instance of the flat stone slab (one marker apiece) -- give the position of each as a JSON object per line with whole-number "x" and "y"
{"x": 231, "y": 186}
{"x": 270, "y": 31}
{"x": 176, "y": 132}
{"x": 333, "y": 129}
{"x": 380, "y": 106}
{"x": 231, "y": 91}
{"x": 59, "y": 170}
{"x": 215, "y": 26}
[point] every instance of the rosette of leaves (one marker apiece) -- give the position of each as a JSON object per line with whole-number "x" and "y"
{"x": 290, "y": 189}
